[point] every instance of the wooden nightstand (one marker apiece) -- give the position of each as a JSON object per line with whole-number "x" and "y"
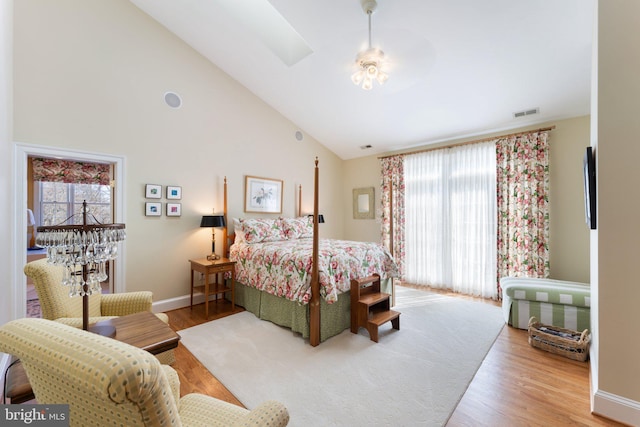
{"x": 215, "y": 267}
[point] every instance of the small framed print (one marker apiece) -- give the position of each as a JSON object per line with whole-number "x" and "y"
{"x": 153, "y": 209}
{"x": 174, "y": 193}
{"x": 174, "y": 209}
{"x": 153, "y": 191}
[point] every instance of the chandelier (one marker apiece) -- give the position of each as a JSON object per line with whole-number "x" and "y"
{"x": 83, "y": 250}
{"x": 369, "y": 61}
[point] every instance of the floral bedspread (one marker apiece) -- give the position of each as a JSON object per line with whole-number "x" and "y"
{"x": 283, "y": 268}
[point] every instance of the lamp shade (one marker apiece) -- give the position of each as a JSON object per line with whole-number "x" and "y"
{"x": 30, "y": 218}
{"x": 212, "y": 221}
{"x": 320, "y": 218}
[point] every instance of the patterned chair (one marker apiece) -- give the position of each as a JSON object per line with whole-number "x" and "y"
{"x": 107, "y": 382}
{"x": 56, "y": 304}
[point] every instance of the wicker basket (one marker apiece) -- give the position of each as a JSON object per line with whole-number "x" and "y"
{"x": 565, "y": 342}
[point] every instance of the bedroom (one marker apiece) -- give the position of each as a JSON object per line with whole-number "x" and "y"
{"x": 84, "y": 85}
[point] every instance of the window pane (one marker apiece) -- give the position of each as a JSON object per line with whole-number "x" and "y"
{"x": 54, "y": 192}
{"x": 92, "y": 193}
{"x": 99, "y": 213}
{"x": 54, "y": 214}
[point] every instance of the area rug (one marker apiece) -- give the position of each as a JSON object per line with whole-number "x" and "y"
{"x": 412, "y": 377}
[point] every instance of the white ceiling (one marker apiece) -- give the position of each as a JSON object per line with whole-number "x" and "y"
{"x": 456, "y": 67}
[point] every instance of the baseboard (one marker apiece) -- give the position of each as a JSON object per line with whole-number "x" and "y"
{"x": 617, "y": 408}
{"x": 178, "y": 302}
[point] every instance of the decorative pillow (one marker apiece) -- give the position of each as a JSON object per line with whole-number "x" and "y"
{"x": 237, "y": 228}
{"x": 262, "y": 230}
{"x": 298, "y": 228}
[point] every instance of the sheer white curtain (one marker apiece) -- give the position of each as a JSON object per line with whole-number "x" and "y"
{"x": 450, "y": 213}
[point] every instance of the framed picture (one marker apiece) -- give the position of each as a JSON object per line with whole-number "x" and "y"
{"x": 153, "y": 209}
{"x": 174, "y": 209}
{"x": 363, "y": 203}
{"x": 174, "y": 193}
{"x": 153, "y": 191}
{"x": 262, "y": 195}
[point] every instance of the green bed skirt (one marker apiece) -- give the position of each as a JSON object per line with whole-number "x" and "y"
{"x": 334, "y": 318}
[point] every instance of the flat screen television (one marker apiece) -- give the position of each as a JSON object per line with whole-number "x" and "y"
{"x": 589, "y": 171}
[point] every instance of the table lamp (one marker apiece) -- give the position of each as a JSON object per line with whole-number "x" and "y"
{"x": 320, "y": 218}
{"x": 31, "y": 221}
{"x": 213, "y": 221}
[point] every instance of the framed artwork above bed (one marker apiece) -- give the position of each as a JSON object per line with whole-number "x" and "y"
{"x": 262, "y": 195}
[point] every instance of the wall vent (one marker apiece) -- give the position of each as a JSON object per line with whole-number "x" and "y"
{"x": 524, "y": 113}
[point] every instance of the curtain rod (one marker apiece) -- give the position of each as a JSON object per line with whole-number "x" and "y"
{"x": 475, "y": 141}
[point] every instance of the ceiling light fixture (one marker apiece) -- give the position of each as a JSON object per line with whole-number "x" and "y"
{"x": 369, "y": 62}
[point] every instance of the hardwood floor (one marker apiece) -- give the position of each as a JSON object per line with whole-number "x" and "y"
{"x": 516, "y": 385}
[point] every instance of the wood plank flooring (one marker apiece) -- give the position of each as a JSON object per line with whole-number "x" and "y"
{"x": 516, "y": 385}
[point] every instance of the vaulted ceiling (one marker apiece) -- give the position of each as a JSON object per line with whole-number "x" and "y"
{"x": 456, "y": 68}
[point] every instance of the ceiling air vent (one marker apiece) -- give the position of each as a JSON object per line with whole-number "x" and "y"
{"x": 526, "y": 113}
{"x": 366, "y": 147}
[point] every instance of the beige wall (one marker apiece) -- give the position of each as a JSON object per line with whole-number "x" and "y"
{"x": 568, "y": 231}
{"x": 615, "y": 256}
{"x": 361, "y": 173}
{"x": 569, "y": 235}
{"x": 91, "y": 75}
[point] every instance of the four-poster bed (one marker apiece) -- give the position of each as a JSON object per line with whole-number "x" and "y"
{"x": 287, "y": 275}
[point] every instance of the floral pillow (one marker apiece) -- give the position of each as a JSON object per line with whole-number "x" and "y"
{"x": 261, "y": 230}
{"x": 237, "y": 228}
{"x": 298, "y": 228}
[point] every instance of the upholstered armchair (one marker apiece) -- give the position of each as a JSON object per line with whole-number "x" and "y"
{"x": 108, "y": 382}
{"x": 56, "y": 304}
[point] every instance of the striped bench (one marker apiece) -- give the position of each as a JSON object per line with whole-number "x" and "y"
{"x": 553, "y": 302}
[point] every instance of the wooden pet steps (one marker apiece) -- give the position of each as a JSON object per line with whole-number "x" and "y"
{"x": 371, "y": 308}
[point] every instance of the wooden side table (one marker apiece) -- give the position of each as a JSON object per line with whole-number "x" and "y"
{"x": 207, "y": 267}
{"x": 144, "y": 330}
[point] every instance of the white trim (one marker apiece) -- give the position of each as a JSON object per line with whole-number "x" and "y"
{"x": 616, "y": 408}
{"x": 21, "y": 153}
{"x": 179, "y": 302}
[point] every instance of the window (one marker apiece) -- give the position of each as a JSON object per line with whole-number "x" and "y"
{"x": 450, "y": 219}
{"x": 58, "y": 201}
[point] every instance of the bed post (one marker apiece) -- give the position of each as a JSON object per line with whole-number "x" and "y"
{"x": 391, "y": 219}
{"x": 225, "y": 239}
{"x": 393, "y": 282}
{"x": 300, "y": 200}
{"x": 314, "y": 305}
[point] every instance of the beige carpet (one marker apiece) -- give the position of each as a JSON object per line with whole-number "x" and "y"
{"x": 412, "y": 377}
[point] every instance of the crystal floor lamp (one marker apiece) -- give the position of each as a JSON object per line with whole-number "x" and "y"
{"x": 83, "y": 250}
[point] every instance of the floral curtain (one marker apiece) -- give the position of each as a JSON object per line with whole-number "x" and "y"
{"x": 392, "y": 203}
{"x": 523, "y": 205}
{"x": 54, "y": 170}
